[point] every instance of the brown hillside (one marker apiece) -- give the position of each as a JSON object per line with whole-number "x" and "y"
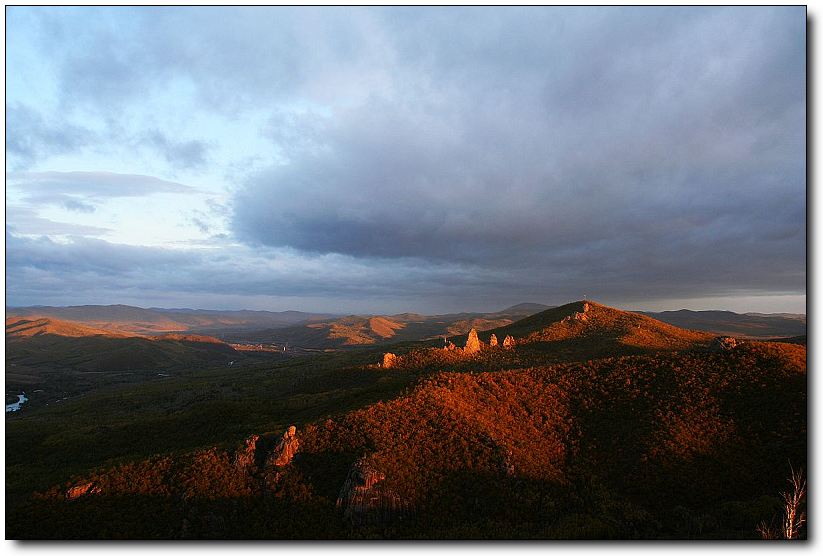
{"x": 23, "y": 327}
{"x": 671, "y": 445}
{"x": 592, "y": 322}
{"x": 479, "y": 324}
{"x": 354, "y": 330}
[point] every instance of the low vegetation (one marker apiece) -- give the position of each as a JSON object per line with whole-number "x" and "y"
{"x": 530, "y": 442}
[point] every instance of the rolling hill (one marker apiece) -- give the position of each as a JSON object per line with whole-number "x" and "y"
{"x": 364, "y": 330}
{"x": 60, "y": 359}
{"x": 137, "y": 320}
{"x": 322, "y": 331}
{"x": 22, "y": 327}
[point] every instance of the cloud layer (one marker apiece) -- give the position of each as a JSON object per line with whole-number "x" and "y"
{"x": 435, "y": 157}
{"x": 634, "y": 151}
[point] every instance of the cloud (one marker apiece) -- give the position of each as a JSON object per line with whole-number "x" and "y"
{"x": 635, "y": 147}
{"x": 35, "y": 265}
{"x": 31, "y": 137}
{"x": 78, "y": 206}
{"x": 180, "y": 154}
{"x": 23, "y": 221}
{"x": 79, "y": 191}
{"x": 455, "y": 154}
{"x": 219, "y": 273}
{"x": 34, "y": 137}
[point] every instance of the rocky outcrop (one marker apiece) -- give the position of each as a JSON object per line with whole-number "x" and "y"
{"x": 450, "y": 347}
{"x": 246, "y": 457}
{"x": 284, "y": 451}
{"x": 583, "y": 317}
{"x": 473, "y": 344}
{"x": 364, "y": 498}
{"x": 508, "y": 342}
{"x": 493, "y": 340}
{"x": 81, "y": 490}
{"x": 724, "y": 343}
{"x": 390, "y": 360}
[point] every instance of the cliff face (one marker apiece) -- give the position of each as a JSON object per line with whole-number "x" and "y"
{"x": 284, "y": 451}
{"x": 364, "y": 498}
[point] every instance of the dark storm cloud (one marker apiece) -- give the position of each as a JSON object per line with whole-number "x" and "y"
{"x": 636, "y": 151}
{"x": 41, "y": 270}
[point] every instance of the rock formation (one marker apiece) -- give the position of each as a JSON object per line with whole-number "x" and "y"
{"x": 246, "y": 456}
{"x": 84, "y": 489}
{"x": 493, "y": 340}
{"x": 472, "y": 343}
{"x": 508, "y": 341}
{"x": 364, "y": 500}
{"x": 450, "y": 347}
{"x": 575, "y": 316}
{"x": 390, "y": 360}
{"x": 724, "y": 343}
{"x": 284, "y": 451}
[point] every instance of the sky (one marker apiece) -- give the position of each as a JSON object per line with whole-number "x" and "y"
{"x": 379, "y": 160}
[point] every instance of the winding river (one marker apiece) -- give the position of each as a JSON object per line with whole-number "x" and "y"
{"x": 21, "y": 399}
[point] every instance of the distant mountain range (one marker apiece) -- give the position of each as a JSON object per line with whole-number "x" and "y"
{"x": 323, "y": 331}
{"x": 125, "y": 318}
{"x": 751, "y": 325}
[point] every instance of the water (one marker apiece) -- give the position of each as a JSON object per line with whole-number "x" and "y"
{"x": 21, "y": 399}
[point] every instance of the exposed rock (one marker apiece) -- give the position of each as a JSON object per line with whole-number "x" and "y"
{"x": 575, "y": 316}
{"x": 450, "y": 347}
{"x": 390, "y": 360}
{"x": 246, "y": 456}
{"x": 84, "y": 489}
{"x": 472, "y": 343}
{"x": 724, "y": 343}
{"x": 493, "y": 340}
{"x": 508, "y": 341}
{"x": 364, "y": 500}
{"x": 284, "y": 451}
